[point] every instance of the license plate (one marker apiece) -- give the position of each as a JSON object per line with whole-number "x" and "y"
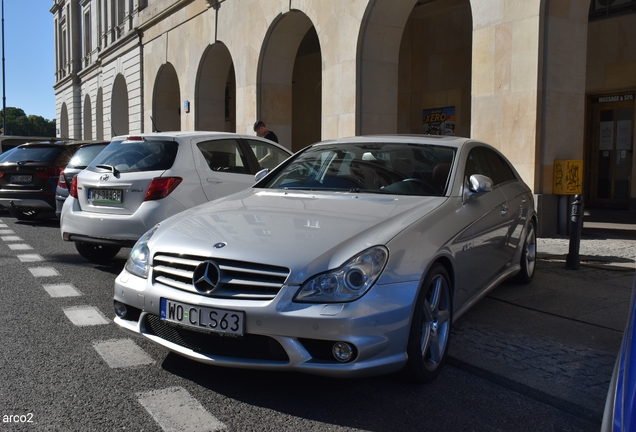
{"x": 21, "y": 179}
{"x": 111, "y": 196}
{"x": 203, "y": 318}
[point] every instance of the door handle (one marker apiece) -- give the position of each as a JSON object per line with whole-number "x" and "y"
{"x": 504, "y": 210}
{"x": 214, "y": 181}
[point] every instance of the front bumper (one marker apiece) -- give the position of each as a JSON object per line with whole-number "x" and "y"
{"x": 281, "y": 334}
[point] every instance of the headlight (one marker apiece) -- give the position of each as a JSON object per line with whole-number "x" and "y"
{"x": 349, "y": 282}
{"x": 137, "y": 263}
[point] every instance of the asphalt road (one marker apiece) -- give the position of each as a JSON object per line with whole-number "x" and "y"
{"x": 66, "y": 366}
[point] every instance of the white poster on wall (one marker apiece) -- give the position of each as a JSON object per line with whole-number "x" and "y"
{"x": 624, "y": 135}
{"x": 606, "y": 140}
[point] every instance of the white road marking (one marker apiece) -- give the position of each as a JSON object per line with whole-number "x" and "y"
{"x": 175, "y": 410}
{"x": 61, "y": 290}
{"x": 30, "y": 258}
{"x": 6, "y": 231}
{"x": 85, "y": 316}
{"x": 43, "y": 271}
{"x": 11, "y": 238}
{"x": 19, "y": 246}
{"x": 3, "y": 225}
{"x": 121, "y": 353}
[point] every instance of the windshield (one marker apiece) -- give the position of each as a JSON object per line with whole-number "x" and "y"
{"x": 403, "y": 169}
{"x": 136, "y": 156}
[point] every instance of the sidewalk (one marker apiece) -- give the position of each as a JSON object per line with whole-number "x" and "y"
{"x": 556, "y": 339}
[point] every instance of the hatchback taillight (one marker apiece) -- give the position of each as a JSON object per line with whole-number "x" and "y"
{"x": 161, "y": 187}
{"x": 62, "y": 182}
{"x": 73, "y": 190}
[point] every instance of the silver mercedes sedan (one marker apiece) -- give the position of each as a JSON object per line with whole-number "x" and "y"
{"x": 354, "y": 257}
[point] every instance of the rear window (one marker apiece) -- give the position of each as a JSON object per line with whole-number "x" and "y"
{"x": 136, "y": 156}
{"x": 36, "y": 154}
{"x": 85, "y": 155}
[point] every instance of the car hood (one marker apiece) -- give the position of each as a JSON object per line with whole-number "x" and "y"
{"x": 307, "y": 232}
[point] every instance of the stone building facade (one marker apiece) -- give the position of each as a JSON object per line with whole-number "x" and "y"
{"x": 540, "y": 80}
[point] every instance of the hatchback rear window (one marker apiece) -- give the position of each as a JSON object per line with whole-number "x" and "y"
{"x": 136, "y": 156}
{"x": 34, "y": 154}
{"x": 85, "y": 155}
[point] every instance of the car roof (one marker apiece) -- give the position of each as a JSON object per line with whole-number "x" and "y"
{"x": 450, "y": 141}
{"x": 182, "y": 134}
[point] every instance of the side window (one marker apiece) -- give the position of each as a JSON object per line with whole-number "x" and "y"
{"x": 223, "y": 155}
{"x": 501, "y": 171}
{"x": 476, "y": 163}
{"x": 267, "y": 155}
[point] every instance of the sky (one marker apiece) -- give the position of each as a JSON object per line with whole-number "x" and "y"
{"x": 29, "y": 57}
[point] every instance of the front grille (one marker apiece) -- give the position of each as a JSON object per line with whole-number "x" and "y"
{"x": 240, "y": 280}
{"x": 249, "y": 346}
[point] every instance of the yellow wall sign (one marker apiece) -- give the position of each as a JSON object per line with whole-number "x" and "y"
{"x": 568, "y": 177}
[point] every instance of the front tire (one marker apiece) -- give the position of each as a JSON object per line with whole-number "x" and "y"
{"x": 96, "y": 253}
{"x": 429, "y": 336}
{"x": 528, "y": 260}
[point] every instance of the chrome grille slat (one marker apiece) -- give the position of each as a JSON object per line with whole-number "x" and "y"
{"x": 240, "y": 280}
{"x": 174, "y": 271}
{"x": 176, "y": 284}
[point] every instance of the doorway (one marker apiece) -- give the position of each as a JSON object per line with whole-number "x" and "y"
{"x": 609, "y": 150}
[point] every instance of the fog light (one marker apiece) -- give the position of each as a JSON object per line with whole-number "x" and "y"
{"x": 342, "y": 351}
{"x": 120, "y": 309}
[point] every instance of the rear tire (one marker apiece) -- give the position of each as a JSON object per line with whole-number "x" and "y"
{"x": 24, "y": 215}
{"x": 97, "y": 253}
{"x": 528, "y": 260}
{"x": 429, "y": 337}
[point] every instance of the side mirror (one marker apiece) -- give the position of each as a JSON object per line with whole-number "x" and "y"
{"x": 477, "y": 184}
{"x": 259, "y": 175}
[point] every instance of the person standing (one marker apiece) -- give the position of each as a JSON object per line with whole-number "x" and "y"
{"x": 262, "y": 130}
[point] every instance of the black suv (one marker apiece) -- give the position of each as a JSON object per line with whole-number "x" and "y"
{"x": 28, "y": 178}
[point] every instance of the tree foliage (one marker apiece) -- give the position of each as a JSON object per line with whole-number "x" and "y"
{"x": 18, "y": 123}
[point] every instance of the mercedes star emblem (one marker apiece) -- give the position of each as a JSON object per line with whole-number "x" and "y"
{"x": 207, "y": 277}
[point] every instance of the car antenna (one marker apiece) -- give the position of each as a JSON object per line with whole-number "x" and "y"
{"x": 154, "y": 126}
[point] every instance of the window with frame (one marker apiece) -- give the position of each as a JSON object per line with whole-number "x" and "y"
{"x": 601, "y": 9}
{"x": 224, "y": 155}
{"x": 267, "y": 155}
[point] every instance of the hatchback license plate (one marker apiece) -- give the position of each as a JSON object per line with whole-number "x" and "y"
{"x": 203, "y": 318}
{"x": 111, "y": 196}
{"x": 21, "y": 179}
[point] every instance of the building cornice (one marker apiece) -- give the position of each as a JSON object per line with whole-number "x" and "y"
{"x": 178, "y": 4}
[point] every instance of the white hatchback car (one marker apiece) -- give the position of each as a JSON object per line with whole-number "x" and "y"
{"x": 138, "y": 181}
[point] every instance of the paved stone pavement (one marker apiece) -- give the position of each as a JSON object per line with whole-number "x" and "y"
{"x": 555, "y": 339}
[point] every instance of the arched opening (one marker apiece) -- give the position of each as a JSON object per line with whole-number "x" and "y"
{"x": 166, "y": 105}
{"x": 99, "y": 115}
{"x": 64, "y": 121}
{"x": 119, "y": 121}
{"x": 88, "y": 119}
{"x": 215, "y": 104}
{"x": 290, "y": 81}
{"x": 434, "y": 69}
{"x": 426, "y": 70}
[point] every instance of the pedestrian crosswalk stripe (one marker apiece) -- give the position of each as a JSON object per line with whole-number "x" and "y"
{"x": 30, "y": 258}
{"x": 61, "y": 290}
{"x": 6, "y": 231}
{"x": 83, "y": 316}
{"x": 175, "y": 410}
{"x": 43, "y": 271}
{"x": 19, "y": 246}
{"x": 121, "y": 353}
{"x": 11, "y": 238}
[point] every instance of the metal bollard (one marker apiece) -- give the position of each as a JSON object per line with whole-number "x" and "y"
{"x": 572, "y": 259}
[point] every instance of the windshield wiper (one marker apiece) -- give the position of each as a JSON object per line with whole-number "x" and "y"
{"x": 114, "y": 170}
